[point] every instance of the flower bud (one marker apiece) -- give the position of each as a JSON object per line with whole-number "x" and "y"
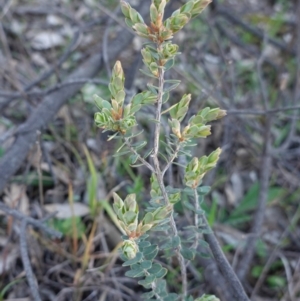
{"x": 125, "y": 7}
{"x": 199, "y": 6}
{"x": 193, "y": 165}
{"x": 180, "y": 110}
{"x": 175, "y": 197}
{"x": 130, "y": 248}
{"x": 146, "y": 228}
{"x": 146, "y": 56}
{"x": 161, "y": 213}
{"x": 130, "y": 203}
{"x": 118, "y": 203}
{"x": 175, "y": 125}
{"x": 214, "y": 156}
{"x": 178, "y": 21}
{"x": 153, "y": 13}
{"x": 141, "y": 29}
{"x": 169, "y": 50}
{"x": 187, "y": 8}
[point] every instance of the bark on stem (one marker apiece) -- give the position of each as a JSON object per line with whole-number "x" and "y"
{"x": 159, "y": 175}
{"x": 223, "y": 263}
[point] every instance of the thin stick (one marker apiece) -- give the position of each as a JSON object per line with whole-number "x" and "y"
{"x": 223, "y": 263}
{"x": 36, "y": 223}
{"x": 140, "y": 158}
{"x": 26, "y": 263}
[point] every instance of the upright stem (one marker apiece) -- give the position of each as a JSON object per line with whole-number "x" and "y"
{"x": 159, "y": 175}
{"x": 196, "y": 217}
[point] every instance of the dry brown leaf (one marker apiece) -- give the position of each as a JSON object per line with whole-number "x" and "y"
{"x": 16, "y": 197}
{"x": 65, "y": 211}
{"x": 8, "y": 258}
{"x": 58, "y": 172}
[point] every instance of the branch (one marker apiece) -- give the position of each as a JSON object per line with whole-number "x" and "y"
{"x": 230, "y": 16}
{"x": 160, "y": 180}
{"x": 26, "y": 263}
{"x": 140, "y": 158}
{"x": 264, "y": 112}
{"x": 257, "y": 223}
{"x": 45, "y": 112}
{"x": 171, "y": 159}
{"x": 223, "y": 263}
{"x": 30, "y": 221}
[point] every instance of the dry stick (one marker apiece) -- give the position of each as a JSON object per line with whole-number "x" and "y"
{"x": 31, "y": 221}
{"x": 249, "y": 248}
{"x": 140, "y": 158}
{"x": 293, "y": 128}
{"x": 26, "y": 263}
{"x": 220, "y": 258}
{"x": 223, "y": 263}
{"x": 232, "y": 17}
{"x": 263, "y": 112}
{"x": 48, "y": 108}
{"x": 274, "y": 252}
{"x": 55, "y": 87}
{"x": 49, "y": 72}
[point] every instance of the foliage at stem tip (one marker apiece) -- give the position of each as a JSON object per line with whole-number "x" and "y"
{"x": 198, "y": 167}
{"x": 127, "y": 212}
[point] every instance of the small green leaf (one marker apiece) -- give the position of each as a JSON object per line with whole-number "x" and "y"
{"x": 152, "y": 255}
{"x": 175, "y": 241}
{"x": 165, "y": 97}
{"x": 136, "y": 259}
{"x": 171, "y": 297}
{"x": 148, "y": 295}
{"x": 169, "y": 64}
{"x": 134, "y": 273}
{"x": 171, "y": 88}
{"x": 147, "y": 264}
{"x": 149, "y": 249}
{"x": 161, "y": 286}
{"x": 188, "y": 254}
{"x": 147, "y": 281}
{"x": 156, "y": 267}
{"x": 161, "y": 273}
{"x": 144, "y": 244}
{"x": 148, "y": 73}
{"x": 203, "y": 190}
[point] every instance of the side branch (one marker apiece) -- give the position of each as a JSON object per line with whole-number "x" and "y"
{"x": 140, "y": 158}
{"x": 223, "y": 264}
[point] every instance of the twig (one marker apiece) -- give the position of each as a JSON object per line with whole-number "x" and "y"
{"x": 173, "y": 157}
{"x": 55, "y": 87}
{"x": 250, "y": 49}
{"x": 26, "y": 263}
{"x": 274, "y": 252}
{"x": 140, "y": 158}
{"x": 264, "y": 112}
{"x": 30, "y": 221}
{"x": 229, "y": 15}
{"x": 39, "y": 168}
{"x": 257, "y": 223}
{"x": 50, "y": 105}
{"x": 72, "y": 46}
{"x": 196, "y": 218}
{"x": 223, "y": 263}
{"x": 293, "y": 128}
